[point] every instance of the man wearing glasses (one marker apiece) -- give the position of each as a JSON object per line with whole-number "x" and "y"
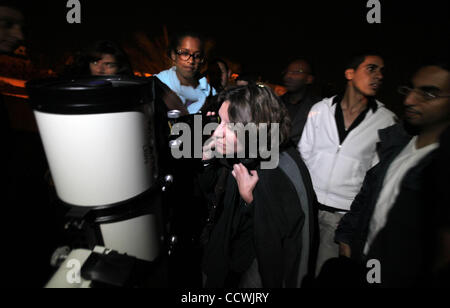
{"x": 390, "y": 219}
{"x": 297, "y": 79}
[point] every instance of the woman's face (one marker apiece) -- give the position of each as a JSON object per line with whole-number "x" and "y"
{"x": 225, "y": 137}
{"x": 188, "y": 57}
{"x": 107, "y": 65}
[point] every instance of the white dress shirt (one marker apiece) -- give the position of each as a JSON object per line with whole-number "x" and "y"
{"x": 406, "y": 160}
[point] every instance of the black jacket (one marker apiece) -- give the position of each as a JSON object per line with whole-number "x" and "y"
{"x": 401, "y": 245}
{"x": 299, "y": 114}
{"x": 269, "y": 229}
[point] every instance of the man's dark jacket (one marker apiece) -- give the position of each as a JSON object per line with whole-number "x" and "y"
{"x": 401, "y": 246}
{"x": 301, "y": 116}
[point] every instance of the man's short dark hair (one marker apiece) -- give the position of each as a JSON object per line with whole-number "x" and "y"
{"x": 18, "y": 5}
{"x": 439, "y": 61}
{"x": 356, "y": 60}
{"x": 304, "y": 59}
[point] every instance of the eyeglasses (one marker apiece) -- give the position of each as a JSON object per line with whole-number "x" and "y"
{"x": 424, "y": 95}
{"x": 297, "y": 72}
{"x": 185, "y": 56}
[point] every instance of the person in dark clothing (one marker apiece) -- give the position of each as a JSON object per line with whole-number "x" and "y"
{"x": 390, "y": 219}
{"x": 298, "y": 78}
{"x": 260, "y": 230}
{"x": 218, "y": 74}
{"x": 27, "y": 227}
{"x": 437, "y": 184}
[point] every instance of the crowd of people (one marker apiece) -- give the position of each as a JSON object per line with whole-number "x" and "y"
{"x": 358, "y": 185}
{"x": 353, "y": 182}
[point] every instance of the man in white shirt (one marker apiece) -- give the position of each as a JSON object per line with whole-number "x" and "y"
{"x": 388, "y": 219}
{"x": 338, "y": 145}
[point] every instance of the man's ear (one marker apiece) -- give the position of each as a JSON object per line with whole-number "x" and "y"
{"x": 349, "y": 73}
{"x": 310, "y": 79}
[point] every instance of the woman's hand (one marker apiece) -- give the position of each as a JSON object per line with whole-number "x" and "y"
{"x": 246, "y": 181}
{"x": 208, "y": 149}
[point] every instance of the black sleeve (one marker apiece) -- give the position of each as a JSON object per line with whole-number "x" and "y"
{"x": 207, "y": 175}
{"x": 348, "y": 225}
{"x": 279, "y": 220}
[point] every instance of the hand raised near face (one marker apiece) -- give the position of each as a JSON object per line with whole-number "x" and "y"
{"x": 246, "y": 181}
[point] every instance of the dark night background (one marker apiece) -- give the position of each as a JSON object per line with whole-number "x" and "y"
{"x": 261, "y": 36}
